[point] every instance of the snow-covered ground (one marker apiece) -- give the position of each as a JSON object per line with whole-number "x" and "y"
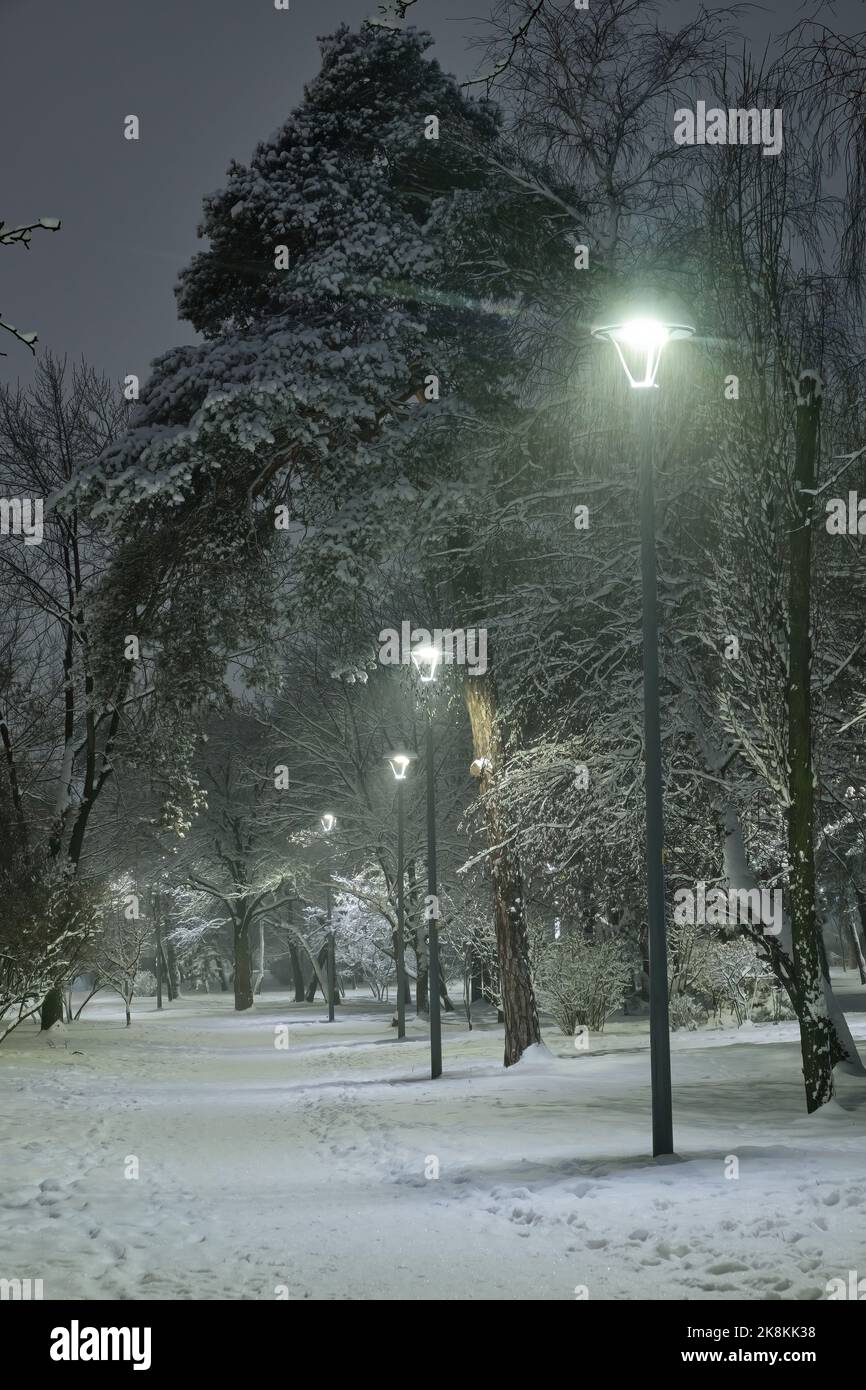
{"x": 266, "y": 1172}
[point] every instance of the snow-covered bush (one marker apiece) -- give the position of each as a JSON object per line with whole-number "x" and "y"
{"x": 582, "y": 980}
{"x": 364, "y": 941}
{"x": 145, "y": 983}
{"x": 713, "y": 977}
{"x": 43, "y": 930}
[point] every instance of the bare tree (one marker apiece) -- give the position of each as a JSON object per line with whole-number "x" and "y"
{"x": 21, "y": 236}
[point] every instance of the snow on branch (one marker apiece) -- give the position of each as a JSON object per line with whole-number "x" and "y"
{"x": 516, "y": 41}
{"x": 21, "y": 236}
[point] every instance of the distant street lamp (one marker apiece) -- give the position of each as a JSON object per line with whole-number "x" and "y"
{"x": 639, "y": 343}
{"x": 400, "y": 766}
{"x": 328, "y": 823}
{"x": 426, "y": 660}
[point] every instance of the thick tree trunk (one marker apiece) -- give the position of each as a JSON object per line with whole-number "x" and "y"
{"x": 519, "y": 1008}
{"x": 815, "y": 1025}
{"x": 297, "y": 973}
{"x": 171, "y": 969}
{"x": 52, "y": 1008}
{"x": 243, "y": 967}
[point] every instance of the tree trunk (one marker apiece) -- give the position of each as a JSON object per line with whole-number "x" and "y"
{"x": 52, "y": 1008}
{"x": 158, "y": 955}
{"x": 815, "y": 1026}
{"x": 322, "y": 960}
{"x": 260, "y": 961}
{"x": 778, "y": 949}
{"x": 443, "y": 995}
{"x": 520, "y": 1011}
{"x": 298, "y": 973}
{"x": 476, "y": 978}
{"x": 422, "y": 997}
{"x": 858, "y": 945}
{"x": 171, "y": 969}
{"x": 243, "y": 973}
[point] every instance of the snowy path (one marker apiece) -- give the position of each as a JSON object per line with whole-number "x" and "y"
{"x": 305, "y": 1167}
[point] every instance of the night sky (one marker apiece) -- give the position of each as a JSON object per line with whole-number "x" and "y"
{"x": 208, "y": 79}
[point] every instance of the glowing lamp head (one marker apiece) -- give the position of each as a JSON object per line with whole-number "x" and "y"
{"x": 639, "y": 344}
{"x": 328, "y": 823}
{"x": 426, "y": 659}
{"x": 400, "y": 765}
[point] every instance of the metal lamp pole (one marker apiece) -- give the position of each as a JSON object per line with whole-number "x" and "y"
{"x": 426, "y": 660}
{"x": 401, "y": 912}
{"x": 328, "y": 823}
{"x": 432, "y": 912}
{"x": 399, "y": 766}
{"x": 639, "y": 344}
{"x": 660, "y": 1042}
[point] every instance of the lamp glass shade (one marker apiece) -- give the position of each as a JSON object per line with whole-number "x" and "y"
{"x": 426, "y": 659}
{"x": 399, "y": 765}
{"x": 639, "y": 344}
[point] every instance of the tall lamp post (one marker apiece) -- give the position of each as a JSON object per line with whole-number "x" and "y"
{"x": 639, "y": 343}
{"x": 426, "y": 660}
{"x": 400, "y": 766}
{"x": 328, "y": 822}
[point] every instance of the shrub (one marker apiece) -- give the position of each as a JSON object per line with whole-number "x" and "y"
{"x": 582, "y": 981}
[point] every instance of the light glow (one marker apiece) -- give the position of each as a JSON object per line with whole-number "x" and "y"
{"x": 639, "y": 344}
{"x": 425, "y": 659}
{"x": 400, "y": 765}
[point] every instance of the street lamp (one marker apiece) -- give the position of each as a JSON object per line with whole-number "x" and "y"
{"x": 328, "y": 822}
{"x": 426, "y": 660}
{"x": 639, "y": 343}
{"x": 400, "y": 766}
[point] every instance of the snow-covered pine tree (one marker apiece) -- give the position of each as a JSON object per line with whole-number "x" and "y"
{"x": 328, "y": 300}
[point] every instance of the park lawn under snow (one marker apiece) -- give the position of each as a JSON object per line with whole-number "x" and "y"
{"x": 263, "y": 1169}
